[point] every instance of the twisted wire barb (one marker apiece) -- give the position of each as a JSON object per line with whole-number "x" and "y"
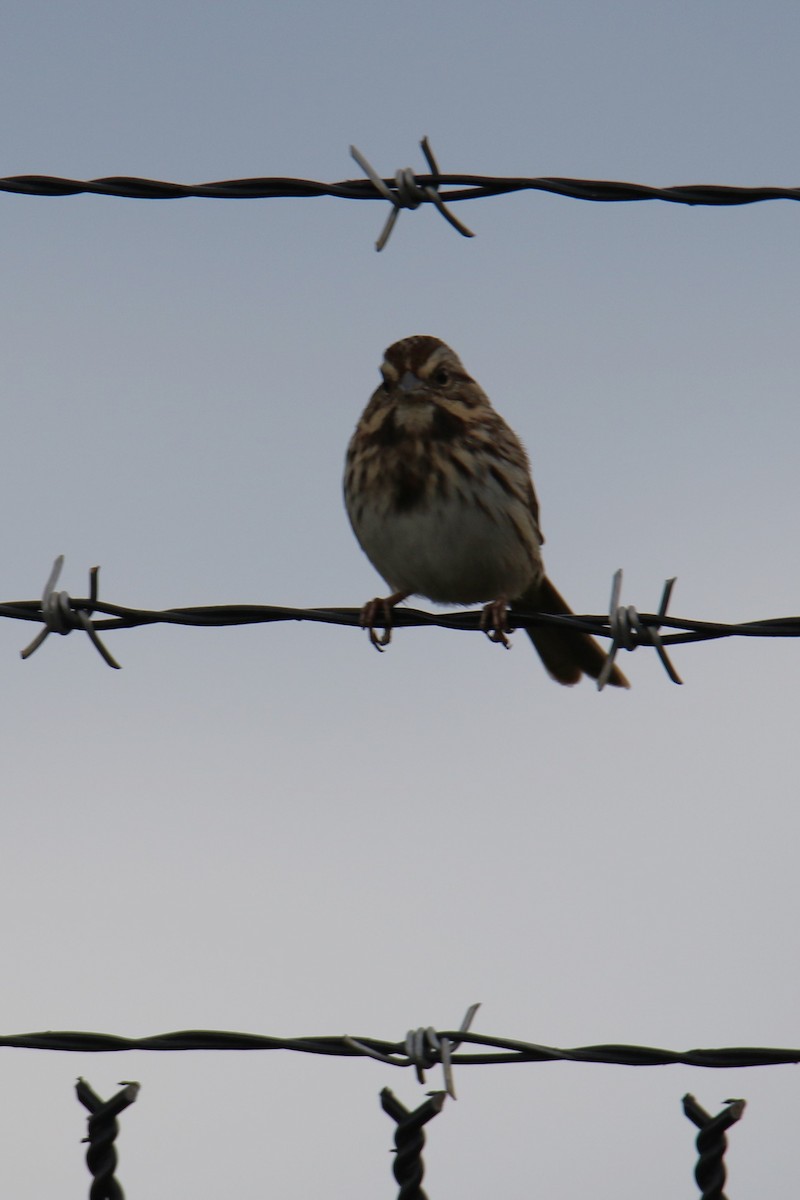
{"x": 711, "y": 1144}
{"x": 408, "y": 193}
{"x": 404, "y": 190}
{"x": 101, "y": 1157}
{"x": 61, "y": 616}
{"x": 423, "y": 1049}
{"x": 489, "y": 1049}
{"x": 628, "y": 631}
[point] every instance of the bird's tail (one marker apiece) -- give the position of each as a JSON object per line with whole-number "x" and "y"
{"x": 567, "y": 655}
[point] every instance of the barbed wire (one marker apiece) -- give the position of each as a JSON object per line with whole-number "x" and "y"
{"x": 624, "y": 625}
{"x": 421, "y": 1050}
{"x": 491, "y": 1050}
{"x": 404, "y": 189}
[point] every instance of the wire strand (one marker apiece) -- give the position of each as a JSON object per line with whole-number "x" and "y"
{"x": 489, "y": 1049}
{"x": 626, "y": 628}
{"x": 465, "y": 187}
{"x": 119, "y": 616}
{"x": 405, "y": 190}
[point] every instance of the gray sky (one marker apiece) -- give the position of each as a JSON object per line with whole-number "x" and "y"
{"x": 274, "y": 829}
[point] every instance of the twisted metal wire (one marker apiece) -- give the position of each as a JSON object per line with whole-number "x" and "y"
{"x": 101, "y": 1157}
{"x": 627, "y": 628}
{"x": 711, "y": 1144}
{"x": 489, "y": 1049}
{"x": 464, "y": 187}
{"x": 404, "y": 190}
{"x": 409, "y": 1140}
{"x": 424, "y": 1048}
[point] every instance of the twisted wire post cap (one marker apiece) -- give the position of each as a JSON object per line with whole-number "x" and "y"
{"x": 712, "y": 1144}
{"x": 409, "y": 1140}
{"x": 101, "y": 1157}
{"x": 408, "y": 193}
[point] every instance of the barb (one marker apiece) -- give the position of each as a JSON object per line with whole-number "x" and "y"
{"x": 408, "y": 193}
{"x": 101, "y": 1157}
{"x": 423, "y": 1049}
{"x": 711, "y": 1144}
{"x": 409, "y": 1141}
{"x": 489, "y": 1049}
{"x": 629, "y": 631}
{"x": 60, "y": 616}
{"x": 405, "y": 190}
{"x": 117, "y": 616}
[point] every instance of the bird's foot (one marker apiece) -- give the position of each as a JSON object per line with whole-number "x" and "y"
{"x": 379, "y": 612}
{"x": 494, "y": 622}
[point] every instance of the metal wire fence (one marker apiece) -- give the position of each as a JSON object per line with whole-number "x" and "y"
{"x": 624, "y": 626}
{"x": 421, "y": 1050}
{"x": 403, "y": 190}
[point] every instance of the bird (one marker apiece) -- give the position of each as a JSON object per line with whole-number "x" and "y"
{"x": 439, "y": 493}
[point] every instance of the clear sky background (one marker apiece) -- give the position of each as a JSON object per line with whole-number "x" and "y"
{"x": 273, "y": 828}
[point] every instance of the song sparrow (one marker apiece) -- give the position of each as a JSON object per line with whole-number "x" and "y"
{"x": 439, "y": 494}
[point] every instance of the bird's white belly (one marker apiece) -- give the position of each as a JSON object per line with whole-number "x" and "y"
{"x": 451, "y": 551}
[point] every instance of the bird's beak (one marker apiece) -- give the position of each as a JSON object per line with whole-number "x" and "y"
{"x": 410, "y": 383}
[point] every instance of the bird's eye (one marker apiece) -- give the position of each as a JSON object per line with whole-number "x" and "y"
{"x": 441, "y": 377}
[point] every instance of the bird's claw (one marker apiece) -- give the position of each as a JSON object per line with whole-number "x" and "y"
{"x": 494, "y": 622}
{"x": 378, "y": 611}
